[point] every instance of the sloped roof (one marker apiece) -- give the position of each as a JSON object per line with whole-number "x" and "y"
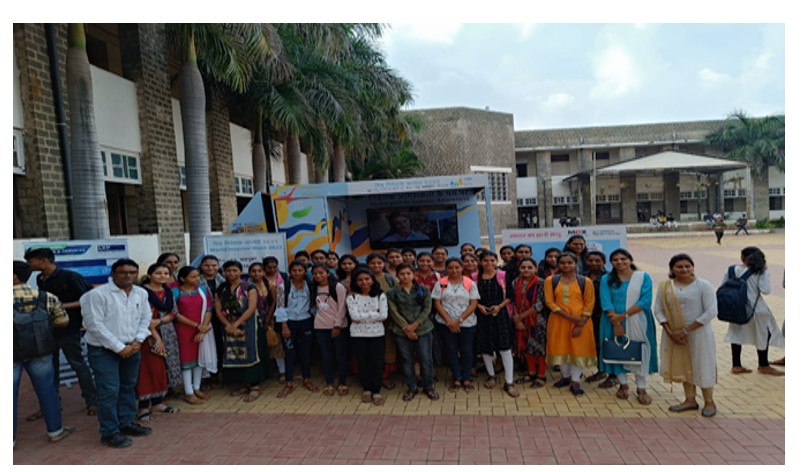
{"x": 668, "y": 161}
{"x": 651, "y": 133}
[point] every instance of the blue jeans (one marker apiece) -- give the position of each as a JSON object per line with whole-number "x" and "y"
{"x": 40, "y": 370}
{"x": 407, "y": 349}
{"x": 331, "y": 348}
{"x": 460, "y": 350}
{"x": 115, "y": 380}
{"x": 298, "y": 347}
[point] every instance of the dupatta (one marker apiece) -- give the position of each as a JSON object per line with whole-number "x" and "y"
{"x": 677, "y": 365}
{"x": 240, "y": 351}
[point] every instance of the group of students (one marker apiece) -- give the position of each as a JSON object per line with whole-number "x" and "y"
{"x": 431, "y": 309}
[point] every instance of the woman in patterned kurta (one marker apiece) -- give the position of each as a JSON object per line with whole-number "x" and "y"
{"x": 530, "y": 322}
{"x": 570, "y": 329}
{"x": 194, "y": 323}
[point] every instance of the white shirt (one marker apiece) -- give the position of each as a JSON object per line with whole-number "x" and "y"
{"x": 112, "y": 319}
{"x": 367, "y": 314}
{"x": 455, "y": 300}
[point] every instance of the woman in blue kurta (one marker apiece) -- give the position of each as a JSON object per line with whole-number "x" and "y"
{"x": 626, "y": 297}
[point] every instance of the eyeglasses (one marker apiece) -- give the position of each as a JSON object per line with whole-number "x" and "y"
{"x": 126, "y": 272}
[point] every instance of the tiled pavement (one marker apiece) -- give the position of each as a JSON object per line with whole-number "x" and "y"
{"x": 545, "y": 426}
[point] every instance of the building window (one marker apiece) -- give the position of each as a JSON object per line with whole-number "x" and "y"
{"x": 182, "y": 177}
{"x": 496, "y": 182}
{"x": 775, "y": 191}
{"x": 776, "y": 203}
{"x": 521, "y": 170}
{"x": 729, "y": 193}
{"x": 527, "y": 202}
{"x": 559, "y": 200}
{"x": 119, "y": 167}
{"x": 741, "y": 192}
{"x": 601, "y": 198}
{"x": 642, "y": 197}
{"x": 603, "y": 156}
{"x": 614, "y": 198}
{"x": 19, "y": 153}
{"x": 243, "y": 186}
{"x": 559, "y": 158}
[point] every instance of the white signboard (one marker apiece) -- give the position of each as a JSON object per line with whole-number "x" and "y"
{"x": 598, "y": 238}
{"x": 248, "y": 248}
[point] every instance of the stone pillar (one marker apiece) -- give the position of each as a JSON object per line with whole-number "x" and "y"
{"x": 760, "y": 187}
{"x": 545, "y": 200}
{"x": 671, "y": 193}
{"x": 144, "y": 60}
{"x": 42, "y": 202}
{"x": 629, "y": 200}
{"x": 587, "y": 188}
{"x": 221, "y": 163}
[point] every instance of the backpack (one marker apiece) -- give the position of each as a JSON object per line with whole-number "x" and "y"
{"x": 466, "y": 282}
{"x": 732, "y": 298}
{"x": 555, "y": 279}
{"x": 501, "y": 276}
{"x": 34, "y": 335}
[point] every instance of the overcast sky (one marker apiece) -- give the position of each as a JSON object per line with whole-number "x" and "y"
{"x": 571, "y": 75}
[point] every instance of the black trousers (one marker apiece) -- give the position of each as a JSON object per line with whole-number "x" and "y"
{"x": 370, "y": 357}
{"x": 69, "y": 341}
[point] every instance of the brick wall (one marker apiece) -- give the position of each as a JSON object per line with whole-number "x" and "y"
{"x": 158, "y": 206}
{"x": 42, "y": 203}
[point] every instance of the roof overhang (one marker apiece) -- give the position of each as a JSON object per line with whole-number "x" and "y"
{"x": 668, "y": 161}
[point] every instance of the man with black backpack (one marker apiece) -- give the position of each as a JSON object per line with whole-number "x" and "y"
{"x": 36, "y": 313}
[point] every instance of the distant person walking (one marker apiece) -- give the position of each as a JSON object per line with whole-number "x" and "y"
{"x": 718, "y": 229}
{"x": 740, "y": 223}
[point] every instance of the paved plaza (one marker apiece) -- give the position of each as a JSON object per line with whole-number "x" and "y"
{"x": 542, "y": 426}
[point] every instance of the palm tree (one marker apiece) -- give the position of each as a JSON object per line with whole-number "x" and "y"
{"x": 89, "y": 206}
{"x": 228, "y": 54}
{"x": 758, "y": 141}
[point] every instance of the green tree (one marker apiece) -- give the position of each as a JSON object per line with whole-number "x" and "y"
{"x": 760, "y": 142}
{"x": 89, "y": 207}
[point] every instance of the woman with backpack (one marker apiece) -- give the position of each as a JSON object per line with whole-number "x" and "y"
{"x": 761, "y": 330}
{"x": 626, "y": 295}
{"x": 495, "y": 331}
{"x": 367, "y": 306}
{"x": 193, "y": 323}
{"x": 455, "y": 299}
{"x": 236, "y": 304}
{"x": 295, "y": 317}
{"x": 377, "y": 264}
{"x": 577, "y": 245}
{"x": 685, "y": 307}
{"x": 331, "y": 328}
{"x": 409, "y": 305}
{"x": 570, "y": 299}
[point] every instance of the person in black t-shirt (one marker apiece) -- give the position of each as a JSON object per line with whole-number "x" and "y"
{"x": 68, "y": 286}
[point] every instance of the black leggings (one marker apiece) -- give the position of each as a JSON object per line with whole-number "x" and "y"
{"x": 762, "y": 355}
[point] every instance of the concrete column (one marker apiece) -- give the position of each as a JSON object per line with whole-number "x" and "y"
{"x": 671, "y": 193}
{"x": 760, "y": 187}
{"x": 587, "y": 188}
{"x": 545, "y": 200}
{"x": 629, "y": 201}
{"x": 144, "y": 60}
{"x": 221, "y": 164}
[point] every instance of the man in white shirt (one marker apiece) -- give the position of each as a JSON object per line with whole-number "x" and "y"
{"x": 116, "y": 319}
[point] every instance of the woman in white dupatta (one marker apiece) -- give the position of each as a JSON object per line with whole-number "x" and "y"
{"x": 685, "y": 307}
{"x": 626, "y": 295}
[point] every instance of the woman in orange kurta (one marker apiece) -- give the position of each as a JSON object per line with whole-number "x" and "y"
{"x": 570, "y": 342}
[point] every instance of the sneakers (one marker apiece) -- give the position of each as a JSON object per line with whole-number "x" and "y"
{"x": 116, "y": 440}
{"x": 134, "y": 429}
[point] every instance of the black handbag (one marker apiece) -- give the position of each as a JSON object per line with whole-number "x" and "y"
{"x": 626, "y": 353}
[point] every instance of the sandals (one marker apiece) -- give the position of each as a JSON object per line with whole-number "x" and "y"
{"x": 767, "y": 370}
{"x": 36, "y": 416}
{"x": 168, "y": 409}
{"x": 684, "y": 406}
{"x": 779, "y": 362}
{"x": 609, "y": 382}
{"x": 432, "y": 395}
{"x": 286, "y": 390}
{"x": 367, "y": 396}
{"x": 409, "y": 395}
{"x": 328, "y": 390}
{"x": 145, "y": 416}
{"x": 467, "y": 386}
{"x": 456, "y": 385}
{"x": 378, "y": 400}
{"x": 709, "y": 411}
{"x": 310, "y": 386}
{"x": 192, "y": 400}
{"x": 596, "y": 377}
{"x": 65, "y": 431}
{"x": 643, "y": 397}
{"x": 342, "y": 390}
{"x": 623, "y": 392}
{"x": 242, "y": 391}
{"x": 525, "y": 378}
{"x": 740, "y": 370}
{"x": 511, "y": 391}
{"x": 538, "y": 382}
{"x": 490, "y": 383}
{"x": 253, "y": 394}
